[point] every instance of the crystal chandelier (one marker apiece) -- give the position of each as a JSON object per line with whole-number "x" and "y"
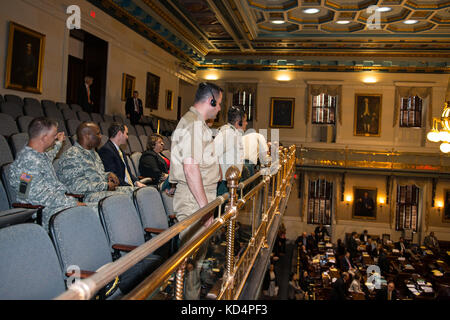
{"x": 442, "y": 134}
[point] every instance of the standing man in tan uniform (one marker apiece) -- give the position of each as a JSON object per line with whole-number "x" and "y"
{"x": 195, "y": 167}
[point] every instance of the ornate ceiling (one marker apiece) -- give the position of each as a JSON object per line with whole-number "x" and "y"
{"x": 343, "y": 35}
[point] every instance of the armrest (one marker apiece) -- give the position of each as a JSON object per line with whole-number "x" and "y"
{"x": 80, "y": 197}
{"x": 154, "y": 230}
{"x": 123, "y": 247}
{"x": 83, "y": 274}
{"x": 27, "y": 206}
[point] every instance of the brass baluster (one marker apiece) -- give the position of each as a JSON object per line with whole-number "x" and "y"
{"x": 180, "y": 281}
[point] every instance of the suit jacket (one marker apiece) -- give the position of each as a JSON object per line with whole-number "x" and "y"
{"x": 398, "y": 247}
{"x": 324, "y": 232}
{"x": 362, "y": 238}
{"x": 352, "y": 247}
{"x": 113, "y": 162}
{"x": 383, "y": 294}
{"x": 345, "y": 266}
{"x": 83, "y": 100}
{"x": 152, "y": 165}
{"x": 129, "y": 110}
{"x": 299, "y": 241}
{"x": 383, "y": 263}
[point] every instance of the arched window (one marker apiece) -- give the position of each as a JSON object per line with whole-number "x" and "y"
{"x": 411, "y": 112}
{"x": 324, "y": 109}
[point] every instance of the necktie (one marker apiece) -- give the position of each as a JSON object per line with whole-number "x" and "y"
{"x": 127, "y": 175}
{"x": 136, "y": 109}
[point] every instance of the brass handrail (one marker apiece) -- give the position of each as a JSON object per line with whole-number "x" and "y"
{"x": 85, "y": 289}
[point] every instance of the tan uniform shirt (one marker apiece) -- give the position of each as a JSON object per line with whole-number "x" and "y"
{"x": 193, "y": 138}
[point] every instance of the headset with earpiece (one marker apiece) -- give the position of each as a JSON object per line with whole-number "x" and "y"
{"x": 213, "y": 100}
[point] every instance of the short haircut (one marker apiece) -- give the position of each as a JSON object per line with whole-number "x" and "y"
{"x": 152, "y": 140}
{"x": 40, "y": 125}
{"x": 204, "y": 91}
{"x": 88, "y": 78}
{"x": 235, "y": 113}
{"x": 114, "y": 129}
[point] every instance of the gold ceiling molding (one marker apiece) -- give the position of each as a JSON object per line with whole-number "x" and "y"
{"x": 150, "y": 32}
{"x": 194, "y": 42}
{"x": 240, "y": 19}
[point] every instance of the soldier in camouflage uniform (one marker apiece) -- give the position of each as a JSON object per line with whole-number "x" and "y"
{"x": 32, "y": 177}
{"x": 82, "y": 171}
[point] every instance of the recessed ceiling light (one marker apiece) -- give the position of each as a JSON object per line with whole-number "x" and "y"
{"x": 277, "y": 21}
{"x": 384, "y": 9}
{"x": 311, "y": 10}
{"x": 410, "y": 21}
{"x": 343, "y": 22}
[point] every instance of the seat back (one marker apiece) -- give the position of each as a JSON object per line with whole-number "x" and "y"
{"x": 144, "y": 140}
{"x": 131, "y": 129}
{"x": 131, "y": 165}
{"x": 125, "y": 148}
{"x": 104, "y": 126}
{"x": 4, "y": 203}
{"x": 62, "y": 106}
{"x": 11, "y": 108}
{"x": 29, "y": 266}
{"x": 84, "y": 116}
{"x": 18, "y": 141}
{"x": 14, "y": 99}
{"x": 33, "y": 110}
{"x": 108, "y": 118}
{"x": 51, "y": 111}
{"x": 10, "y": 192}
{"x": 96, "y": 117}
{"x": 150, "y": 208}
{"x": 168, "y": 203}
{"x": 8, "y": 126}
{"x": 139, "y": 130}
{"x": 72, "y": 126}
{"x": 48, "y": 104}
{"x": 135, "y": 158}
{"x": 24, "y": 122}
{"x": 103, "y": 141}
{"x": 80, "y": 239}
{"x": 69, "y": 114}
{"x": 121, "y": 221}
{"x": 167, "y": 143}
{"x": 135, "y": 144}
{"x": 6, "y": 155}
{"x": 75, "y": 107}
{"x": 148, "y": 130}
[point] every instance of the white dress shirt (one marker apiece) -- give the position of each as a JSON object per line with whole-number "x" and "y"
{"x": 255, "y": 144}
{"x": 229, "y": 148}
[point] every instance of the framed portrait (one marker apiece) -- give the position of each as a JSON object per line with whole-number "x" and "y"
{"x": 169, "y": 100}
{"x": 282, "y": 112}
{"x": 364, "y": 203}
{"x": 25, "y": 59}
{"x": 128, "y": 84}
{"x": 446, "y": 213}
{"x": 367, "y": 115}
{"x": 152, "y": 92}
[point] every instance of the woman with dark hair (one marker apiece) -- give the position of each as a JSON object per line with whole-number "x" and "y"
{"x": 155, "y": 165}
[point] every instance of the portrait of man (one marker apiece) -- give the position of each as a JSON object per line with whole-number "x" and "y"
{"x": 367, "y": 115}
{"x": 25, "y": 58}
{"x": 365, "y": 203}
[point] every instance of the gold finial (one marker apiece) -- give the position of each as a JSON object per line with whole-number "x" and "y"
{"x": 233, "y": 175}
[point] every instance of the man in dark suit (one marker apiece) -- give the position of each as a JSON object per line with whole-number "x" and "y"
{"x": 371, "y": 247}
{"x": 339, "y": 291}
{"x": 113, "y": 158}
{"x": 320, "y": 232}
{"x": 346, "y": 263}
{"x": 383, "y": 262}
{"x": 302, "y": 240}
{"x": 352, "y": 245}
{"x": 402, "y": 246}
{"x": 84, "y": 95}
{"x": 133, "y": 108}
{"x": 364, "y": 236}
{"x": 389, "y": 293}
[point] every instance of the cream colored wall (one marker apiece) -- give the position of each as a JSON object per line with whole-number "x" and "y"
{"x": 128, "y": 52}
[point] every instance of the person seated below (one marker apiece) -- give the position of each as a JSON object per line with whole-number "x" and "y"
{"x": 32, "y": 176}
{"x": 302, "y": 240}
{"x": 340, "y": 291}
{"x": 82, "y": 171}
{"x": 320, "y": 232}
{"x": 113, "y": 158}
{"x": 155, "y": 165}
{"x": 431, "y": 242}
{"x": 402, "y": 247}
{"x": 371, "y": 247}
{"x": 388, "y": 293}
{"x": 355, "y": 285}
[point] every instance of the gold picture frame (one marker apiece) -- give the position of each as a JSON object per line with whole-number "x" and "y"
{"x": 169, "y": 99}
{"x": 364, "y": 207}
{"x": 25, "y": 59}
{"x": 128, "y": 85}
{"x": 367, "y": 115}
{"x": 282, "y": 112}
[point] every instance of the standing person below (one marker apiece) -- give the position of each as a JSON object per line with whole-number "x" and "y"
{"x": 85, "y": 96}
{"x": 134, "y": 109}
{"x": 113, "y": 158}
{"x": 340, "y": 291}
{"x": 32, "y": 175}
{"x": 228, "y": 144}
{"x": 194, "y": 165}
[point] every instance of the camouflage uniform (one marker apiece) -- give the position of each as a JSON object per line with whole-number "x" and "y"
{"x": 44, "y": 188}
{"x": 82, "y": 171}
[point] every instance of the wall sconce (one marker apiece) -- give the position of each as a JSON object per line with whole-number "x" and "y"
{"x": 211, "y": 76}
{"x": 348, "y": 199}
{"x": 439, "y": 205}
{"x": 381, "y": 202}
